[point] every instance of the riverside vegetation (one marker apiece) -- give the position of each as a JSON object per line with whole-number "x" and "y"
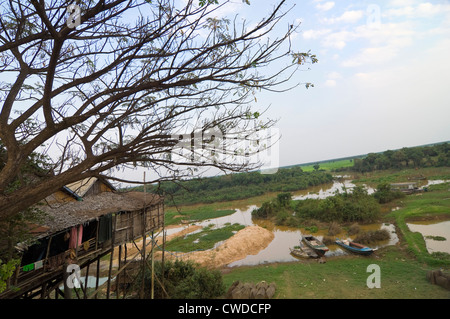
{"x": 403, "y": 266}
{"x": 345, "y": 276}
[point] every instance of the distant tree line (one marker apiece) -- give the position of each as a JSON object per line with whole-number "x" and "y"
{"x": 423, "y": 156}
{"x": 238, "y": 186}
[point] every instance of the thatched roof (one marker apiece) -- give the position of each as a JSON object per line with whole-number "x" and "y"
{"x": 65, "y": 215}
{"x": 82, "y": 187}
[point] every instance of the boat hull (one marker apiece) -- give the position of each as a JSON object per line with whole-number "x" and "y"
{"x": 303, "y": 252}
{"x": 356, "y": 248}
{"x": 319, "y": 248}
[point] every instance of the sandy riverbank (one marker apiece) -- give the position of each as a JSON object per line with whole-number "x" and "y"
{"x": 248, "y": 241}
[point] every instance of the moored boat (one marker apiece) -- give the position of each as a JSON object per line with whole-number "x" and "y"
{"x": 315, "y": 244}
{"x": 355, "y": 247}
{"x": 302, "y": 251}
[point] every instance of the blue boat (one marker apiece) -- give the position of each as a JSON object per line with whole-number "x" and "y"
{"x": 355, "y": 247}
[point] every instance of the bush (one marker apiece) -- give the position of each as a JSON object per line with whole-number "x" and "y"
{"x": 328, "y": 240}
{"x": 334, "y": 229}
{"x": 384, "y": 194}
{"x": 184, "y": 280}
{"x": 343, "y": 207}
{"x": 372, "y": 236}
{"x": 354, "y": 229}
{"x": 266, "y": 210}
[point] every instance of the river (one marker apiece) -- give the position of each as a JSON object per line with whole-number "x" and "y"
{"x": 287, "y": 237}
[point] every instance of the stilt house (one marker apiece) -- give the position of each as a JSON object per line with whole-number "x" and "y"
{"x": 83, "y": 223}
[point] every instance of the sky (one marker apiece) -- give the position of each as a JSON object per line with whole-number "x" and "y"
{"x": 382, "y": 81}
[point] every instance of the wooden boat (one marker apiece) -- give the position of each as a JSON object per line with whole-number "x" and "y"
{"x": 303, "y": 251}
{"x": 355, "y": 247}
{"x": 315, "y": 244}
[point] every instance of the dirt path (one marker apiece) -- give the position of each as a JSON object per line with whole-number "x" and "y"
{"x": 248, "y": 241}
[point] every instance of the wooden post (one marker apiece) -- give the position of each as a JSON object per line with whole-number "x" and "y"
{"x": 153, "y": 268}
{"x": 118, "y": 275}
{"x": 86, "y": 280}
{"x": 98, "y": 276}
{"x": 124, "y": 272}
{"x": 108, "y": 289}
{"x": 67, "y": 290}
{"x": 162, "y": 258}
{"x": 143, "y": 254}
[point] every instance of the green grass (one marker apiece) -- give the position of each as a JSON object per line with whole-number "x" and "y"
{"x": 196, "y": 213}
{"x": 205, "y": 239}
{"x": 397, "y": 176}
{"x": 434, "y": 204}
{"x": 328, "y": 166}
{"x": 403, "y": 266}
{"x": 345, "y": 277}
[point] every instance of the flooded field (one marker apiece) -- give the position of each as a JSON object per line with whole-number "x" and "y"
{"x": 287, "y": 237}
{"x": 433, "y": 233}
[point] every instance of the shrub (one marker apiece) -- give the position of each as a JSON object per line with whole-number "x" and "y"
{"x": 184, "y": 280}
{"x": 328, "y": 240}
{"x": 354, "y": 229}
{"x": 334, "y": 229}
{"x": 384, "y": 194}
{"x": 282, "y": 217}
{"x": 266, "y": 210}
{"x": 372, "y": 236}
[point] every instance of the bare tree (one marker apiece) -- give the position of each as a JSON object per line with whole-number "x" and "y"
{"x": 97, "y": 85}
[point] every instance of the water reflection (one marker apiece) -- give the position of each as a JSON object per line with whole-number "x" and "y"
{"x": 287, "y": 237}
{"x": 441, "y": 229}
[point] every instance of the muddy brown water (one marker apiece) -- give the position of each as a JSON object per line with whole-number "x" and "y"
{"x": 286, "y": 237}
{"x": 433, "y": 228}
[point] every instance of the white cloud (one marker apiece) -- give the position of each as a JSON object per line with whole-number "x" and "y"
{"x": 337, "y": 40}
{"x": 331, "y": 79}
{"x": 422, "y": 10}
{"x": 326, "y": 6}
{"x": 399, "y": 12}
{"x": 350, "y": 16}
{"x": 314, "y": 34}
{"x": 372, "y": 56}
{"x": 384, "y": 42}
{"x": 330, "y": 83}
{"x": 401, "y": 3}
{"x": 334, "y": 75}
{"x": 428, "y": 9}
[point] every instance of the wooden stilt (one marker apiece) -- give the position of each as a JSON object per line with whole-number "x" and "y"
{"x": 141, "y": 294}
{"x": 153, "y": 268}
{"x": 162, "y": 258}
{"x": 108, "y": 289}
{"x": 98, "y": 276}
{"x": 118, "y": 275}
{"x": 67, "y": 289}
{"x": 124, "y": 272}
{"x": 86, "y": 281}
